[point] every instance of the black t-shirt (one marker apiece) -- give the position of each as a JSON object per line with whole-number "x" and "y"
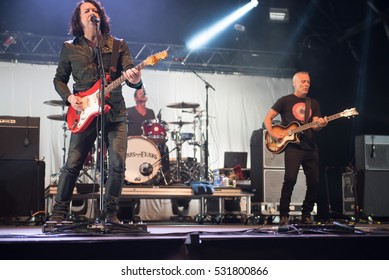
{"x": 135, "y": 120}
{"x": 292, "y": 109}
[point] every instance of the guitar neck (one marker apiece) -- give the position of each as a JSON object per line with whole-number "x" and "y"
{"x": 315, "y": 123}
{"x": 120, "y": 80}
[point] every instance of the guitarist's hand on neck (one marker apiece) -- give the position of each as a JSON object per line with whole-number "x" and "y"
{"x": 301, "y": 83}
{"x": 321, "y": 122}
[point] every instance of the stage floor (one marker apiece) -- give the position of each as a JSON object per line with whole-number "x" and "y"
{"x": 178, "y": 240}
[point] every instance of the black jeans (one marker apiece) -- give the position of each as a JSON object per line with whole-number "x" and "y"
{"x": 309, "y": 160}
{"x": 80, "y": 145}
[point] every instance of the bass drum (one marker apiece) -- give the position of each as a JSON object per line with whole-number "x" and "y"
{"x": 143, "y": 160}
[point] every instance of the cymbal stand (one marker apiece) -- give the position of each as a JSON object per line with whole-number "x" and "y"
{"x": 206, "y": 142}
{"x": 178, "y": 152}
{"x": 56, "y": 175}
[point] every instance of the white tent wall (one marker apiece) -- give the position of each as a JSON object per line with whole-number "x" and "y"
{"x": 236, "y": 107}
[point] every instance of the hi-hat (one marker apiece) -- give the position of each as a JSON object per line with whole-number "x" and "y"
{"x": 180, "y": 123}
{"x": 57, "y": 117}
{"x": 54, "y": 103}
{"x": 183, "y": 105}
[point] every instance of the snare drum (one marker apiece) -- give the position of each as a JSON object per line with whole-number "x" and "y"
{"x": 143, "y": 160}
{"x": 155, "y": 130}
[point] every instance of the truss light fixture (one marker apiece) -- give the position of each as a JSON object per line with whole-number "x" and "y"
{"x": 278, "y": 15}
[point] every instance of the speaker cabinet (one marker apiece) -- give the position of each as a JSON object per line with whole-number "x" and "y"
{"x": 267, "y": 172}
{"x": 372, "y": 152}
{"x": 21, "y": 187}
{"x": 265, "y": 158}
{"x": 272, "y": 184}
{"x": 20, "y": 138}
{"x": 373, "y": 192}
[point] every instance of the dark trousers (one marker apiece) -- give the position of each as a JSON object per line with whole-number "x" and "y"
{"x": 79, "y": 146}
{"x": 309, "y": 160}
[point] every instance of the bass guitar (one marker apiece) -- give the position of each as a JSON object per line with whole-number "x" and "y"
{"x": 78, "y": 121}
{"x": 292, "y": 131}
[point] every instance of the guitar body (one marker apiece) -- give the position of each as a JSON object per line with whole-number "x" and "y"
{"x": 278, "y": 147}
{"x": 78, "y": 121}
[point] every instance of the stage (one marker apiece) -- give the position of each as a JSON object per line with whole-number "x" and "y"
{"x": 190, "y": 241}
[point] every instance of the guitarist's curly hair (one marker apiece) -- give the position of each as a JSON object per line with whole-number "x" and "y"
{"x": 76, "y": 28}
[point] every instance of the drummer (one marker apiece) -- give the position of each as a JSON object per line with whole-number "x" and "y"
{"x": 139, "y": 113}
{"x": 137, "y": 116}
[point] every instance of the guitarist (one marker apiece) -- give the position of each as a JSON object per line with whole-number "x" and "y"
{"x": 305, "y": 153}
{"x": 79, "y": 59}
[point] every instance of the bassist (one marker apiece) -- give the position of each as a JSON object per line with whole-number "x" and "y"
{"x": 303, "y": 153}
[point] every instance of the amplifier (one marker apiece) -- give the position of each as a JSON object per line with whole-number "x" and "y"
{"x": 372, "y": 152}
{"x": 19, "y": 138}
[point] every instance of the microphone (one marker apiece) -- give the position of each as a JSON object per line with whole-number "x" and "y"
{"x": 372, "y": 151}
{"x": 94, "y": 19}
{"x": 159, "y": 116}
{"x": 26, "y": 140}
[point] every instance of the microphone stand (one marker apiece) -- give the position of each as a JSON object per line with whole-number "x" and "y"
{"x": 207, "y": 86}
{"x": 102, "y": 119}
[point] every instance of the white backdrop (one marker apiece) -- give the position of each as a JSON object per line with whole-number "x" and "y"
{"x": 236, "y": 107}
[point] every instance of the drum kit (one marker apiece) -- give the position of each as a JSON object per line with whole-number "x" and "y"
{"x": 144, "y": 157}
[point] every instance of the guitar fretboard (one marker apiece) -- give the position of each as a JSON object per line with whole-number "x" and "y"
{"x": 120, "y": 80}
{"x": 315, "y": 123}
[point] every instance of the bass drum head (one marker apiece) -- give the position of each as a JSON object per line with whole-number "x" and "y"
{"x": 143, "y": 160}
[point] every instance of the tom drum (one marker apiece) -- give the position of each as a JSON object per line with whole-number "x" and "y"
{"x": 155, "y": 130}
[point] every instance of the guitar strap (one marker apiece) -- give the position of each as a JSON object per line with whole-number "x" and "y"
{"x": 114, "y": 58}
{"x": 307, "y": 109}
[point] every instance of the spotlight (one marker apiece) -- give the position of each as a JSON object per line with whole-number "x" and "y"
{"x": 239, "y": 27}
{"x": 278, "y": 15}
{"x": 205, "y": 36}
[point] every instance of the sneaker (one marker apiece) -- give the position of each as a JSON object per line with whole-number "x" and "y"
{"x": 284, "y": 220}
{"x": 307, "y": 220}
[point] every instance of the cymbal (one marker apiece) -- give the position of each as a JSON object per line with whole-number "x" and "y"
{"x": 57, "y": 117}
{"x": 180, "y": 123}
{"x": 183, "y": 105}
{"x": 54, "y": 103}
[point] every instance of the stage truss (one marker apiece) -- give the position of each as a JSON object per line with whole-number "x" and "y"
{"x": 41, "y": 49}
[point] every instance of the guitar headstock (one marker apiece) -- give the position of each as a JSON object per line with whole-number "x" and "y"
{"x": 349, "y": 113}
{"x": 153, "y": 59}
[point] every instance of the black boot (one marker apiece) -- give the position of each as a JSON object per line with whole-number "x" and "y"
{"x": 111, "y": 209}
{"x": 59, "y": 211}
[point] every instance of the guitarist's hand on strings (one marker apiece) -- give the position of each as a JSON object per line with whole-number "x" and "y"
{"x": 133, "y": 75}
{"x": 76, "y": 102}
